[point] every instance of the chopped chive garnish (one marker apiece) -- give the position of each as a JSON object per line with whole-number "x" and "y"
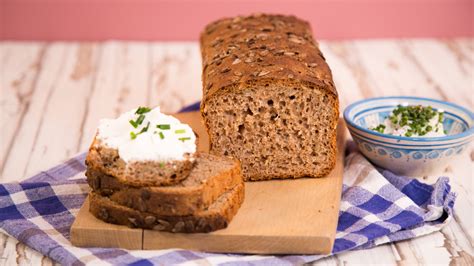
{"x": 145, "y": 129}
{"x": 180, "y": 131}
{"x": 134, "y": 135}
{"x": 380, "y": 128}
{"x": 440, "y": 117}
{"x": 184, "y": 139}
{"x": 163, "y": 126}
{"x": 133, "y": 123}
{"x": 140, "y": 119}
{"x": 162, "y": 165}
{"x": 137, "y": 122}
{"x": 142, "y": 110}
{"x": 162, "y": 136}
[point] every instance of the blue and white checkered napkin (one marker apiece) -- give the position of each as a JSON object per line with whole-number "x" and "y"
{"x": 377, "y": 207}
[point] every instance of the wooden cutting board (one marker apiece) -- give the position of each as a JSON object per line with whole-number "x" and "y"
{"x": 277, "y": 217}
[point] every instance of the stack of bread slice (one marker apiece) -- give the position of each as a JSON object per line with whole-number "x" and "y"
{"x": 199, "y": 194}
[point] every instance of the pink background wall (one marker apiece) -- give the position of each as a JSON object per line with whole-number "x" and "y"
{"x": 184, "y": 19}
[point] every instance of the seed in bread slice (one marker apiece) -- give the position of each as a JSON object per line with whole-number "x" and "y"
{"x": 140, "y": 173}
{"x": 210, "y": 178}
{"x": 217, "y": 216}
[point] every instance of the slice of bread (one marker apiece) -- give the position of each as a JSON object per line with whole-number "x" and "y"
{"x": 207, "y": 181}
{"x": 140, "y": 173}
{"x": 217, "y": 216}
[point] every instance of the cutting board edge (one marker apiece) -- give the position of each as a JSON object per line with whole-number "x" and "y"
{"x": 278, "y": 245}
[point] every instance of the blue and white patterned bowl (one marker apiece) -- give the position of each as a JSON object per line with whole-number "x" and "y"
{"x": 410, "y": 156}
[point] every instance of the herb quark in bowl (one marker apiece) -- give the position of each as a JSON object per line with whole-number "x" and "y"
{"x": 413, "y": 121}
{"x": 410, "y": 136}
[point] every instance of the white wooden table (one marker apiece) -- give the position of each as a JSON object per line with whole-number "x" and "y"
{"x": 53, "y": 94}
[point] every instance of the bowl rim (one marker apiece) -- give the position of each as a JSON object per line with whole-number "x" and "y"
{"x": 466, "y": 133}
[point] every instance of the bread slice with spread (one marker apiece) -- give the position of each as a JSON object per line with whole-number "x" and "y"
{"x": 143, "y": 147}
{"x": 145, "y": 172}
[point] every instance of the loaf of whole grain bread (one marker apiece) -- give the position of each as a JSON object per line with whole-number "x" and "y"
{"x": 268, "y": 97}
{"x": 208, "y": 180}
{"x": 216, "y": 216}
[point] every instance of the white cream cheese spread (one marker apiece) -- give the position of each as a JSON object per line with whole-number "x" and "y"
{"x": 145, "y": 134}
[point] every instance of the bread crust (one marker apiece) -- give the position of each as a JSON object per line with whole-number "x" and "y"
{"x": 195, "y": 194}
{"x": 241, "y": 52}
{"x": 217, "y": 216}
{"x": 269, "y": 48}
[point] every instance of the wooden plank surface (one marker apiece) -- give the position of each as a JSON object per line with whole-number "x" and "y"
{"x": 30, "y": 72}
{"x": 294, "y": 216}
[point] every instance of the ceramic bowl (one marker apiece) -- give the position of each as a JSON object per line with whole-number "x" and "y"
{"x": 409, "y": 156}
